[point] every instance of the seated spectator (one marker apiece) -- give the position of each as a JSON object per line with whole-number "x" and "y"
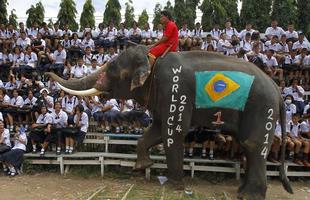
{"x": 1, "y": 115}
{"x": 56, "y": 35}
{"x": 52, "y": 87}
{"x": 274, "y": 30}
{"x": 273, "y": 44}
{"x": 292, "y": 64}
{"x": 33, "y": 31}
{"x": 66, "y": 43}
{"x": 134, "y": 33}
{"x": 9, "y": 40}
{"x": 46, "y": 59}
{"x": 11, "y": 84}
{"x": 223, "y": 45}
{"x": 4, "y": 104}
{"x": 146, "y": 35}
{"x": 122, "y": 37}
{"x": 246, "y": 43}
{"x": 229, "y": 30}
{"x": 87, "y": 29}
{"x": 5, "y": 142}
{"x": 141, "y": 118}
{"x": 87, "y": 58}
{"x": 290, "y": 108}
{"x": 158, "y": 33}
{"x": 40, "y": 132}
{"x": 79, "y": 70}
{"x": 46, "y": 33}
{"x": 81, "y": 123}
{"x": 291, "y": 34}
{"x": 185, "y": 41}
{"x": 284, "y": 46}
{"x": 23, "y": 41}
{"x": 276, "y": 144}
{"x": 101, "y": 35}
{"x": 76, "y": 46}
{"x": 30, "y": 104}
{"x": 96, "y": 110}
{"x": 111, "y": 33}
{"x": 67, "y": 30}
{"x": 60, "y": 121}
{"x": 59, "y": 59}
{"x": 100, "y": 57}
{"x": 38, "y": 44}
{"x": 248, "y": 30}
{"x": 16, "y": 102}
{"x": 208, "y": 44}
{"x": 111, "y": 111}
{"x": 126, "y": 108}
{"x": 111, "y": 55}
{"x": 18, "y": 59}
{"x": 272, "y": 67}
{"x": 300, "y": 44}
{"x": 197, "y": 35}
{"x": 235, "y": 44}
{"x": 30, "y": 61}
{"x": 295, "y": 139}
{"x": 83, "y": 101}
{"x": 6, "y": 60}
{"x": 298, "y": 93}
{"x": 68, "y": 104}
{"x": 241, "y": 54}
{"x": 13, "y": 159}
{"x": 47, "y": 100}
{"x": 88, "y": 42}
{"x": 216, "y": 32}
{"x": 93, "y": 68}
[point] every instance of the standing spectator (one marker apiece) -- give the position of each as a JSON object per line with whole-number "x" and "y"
{"x": 146, "y": 35}
{"x": 248, "y": 30}
{"x": 274, "y": 30}
{"x": 59, "y": 57}
{"x": 135, "y": 33}
{"x": 229, "y": 30}
{"x": 185, "y": 41}
{"x": 13, "y": 159}
{"x": 197, "y": 35}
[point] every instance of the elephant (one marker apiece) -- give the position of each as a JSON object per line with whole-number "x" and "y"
{"x": 186, "y": 89}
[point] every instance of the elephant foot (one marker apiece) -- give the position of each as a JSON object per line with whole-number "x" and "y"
{"x": 248, "y": 193}
{"x": 143, "y": 164}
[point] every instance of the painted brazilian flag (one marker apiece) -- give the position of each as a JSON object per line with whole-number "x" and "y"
{"x": 223, "y": 89}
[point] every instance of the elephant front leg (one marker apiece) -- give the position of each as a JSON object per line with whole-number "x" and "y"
{"x": 149, "y": 139}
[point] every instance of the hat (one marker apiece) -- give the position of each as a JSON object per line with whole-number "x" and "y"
{"x": 44, "y": 89}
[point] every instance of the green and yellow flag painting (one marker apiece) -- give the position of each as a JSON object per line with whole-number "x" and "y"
{"x": 222, "y": 89}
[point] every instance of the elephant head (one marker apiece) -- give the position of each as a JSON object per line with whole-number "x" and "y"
{"x": 117, "y": 79}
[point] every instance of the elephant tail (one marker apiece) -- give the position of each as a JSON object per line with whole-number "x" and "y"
{"x": 285, "y": 182}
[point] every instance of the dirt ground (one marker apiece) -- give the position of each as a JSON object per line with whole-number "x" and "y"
{"x": 52, "y": 186}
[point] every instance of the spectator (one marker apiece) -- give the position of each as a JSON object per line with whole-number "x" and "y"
{"x": 67, "y": 31}
{"x": 68, "y": 104}
{"x": 94, "y": 67}
{"x": 223, "y": 45}
{"x": 16, "y": 102}
{"x": 185, "y": 41}
{"x": 30, "y": 62}
{"x": 122, "y": 37}
{"x": 209, "y": 44}
{"x": 134, "y": 33}
{"x": 79, "y": 70}
{"x": 45, "y": 61}
{"x": 301, "y": 43}
{"x": 290, "y": 108}
{"x": 111, "y": 112}
{"x": 216, "y": 32}
{"x": 111, "y": 33}
{"x": 66, "y": 43}
{"x": 100, "y": 57}
{"x": 13, "y": 159}
{"x": 88, "y": 42}
{"x": 276, "y": 144}
{"x": 56, "y": 35}
{"x": 229, "y": 30}
{"x": 158, "y": 33}
{"x": 33, "y": 31}
{"x": 23, "y": 41}
{"x": 59, "y": 59}
{"x": 18, "y": 59}
{"x": 273, "y": 44}
{"x": 298, "y": 93}
{"x": 272, "y": 67}
{"x": 291, "y": 34}
{"x": 111, "y": 55}
{"x": 38, "y": 44}
{"x": 102, "y": 32}
{"x": 30, "y": 104}
{"x": 5, "y": 142}
{"x": 247, "y": 31}
{"x": 87, "y": 58}
{"x": 197, "y": 35}
{"x": 46, "y": 100}
{"x": 246, "y": 43}
{"x": 146, "y": 35}
{"x": 284, "y": 46}
{"x": 274, "y": 30}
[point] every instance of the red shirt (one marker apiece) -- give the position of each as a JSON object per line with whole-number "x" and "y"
{"x": 171, "y": 31}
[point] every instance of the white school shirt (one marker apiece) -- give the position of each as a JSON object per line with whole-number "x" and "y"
{"x": 216, "y": 34}
{"x": 109, "y": 57}
{"x": 31, "y": 59}
{"x": 290, "y": 35}
{"x": 158, "y": 34}
{"x": 184, "y": 33}
{"x": 100, "y": 58}
{"x": 60, "y": 118}
{"x": 1, "y": 116}
{"x": 128, "y": 106}
{"x": 298, "y": 45}
{"x": 9, "y": 34}
{"x": 294, "y": 93}
{"x": 6, "y": 137}
{"x": 87, "y": 59}
{"x": 276, "y": 46}
{"x": 59, "y": 32}
{"x": 123, "y": 32}
{"x": 30, "y": 101}
{"x": 52, "y": 86}
{"x": 68, "y": 32}
{"x": 18, "y": 58}
{"x": 304, "y": 126}
{"x": 305, "y": 61}
{"x": 6, "y": 99}
{"x": 221, "y": 43}
{"x": 23, "y": 43}
{"x": 18, "y": 144}
{"x": 79, "y": 71}
{"x": 113, "y": 102}
{"x": 1, "y": 84}
{"x": 278, "y": 130}
{"x": 294, "y": 129}
{"x": 94, "y": 106}
{"x": 272, "y": 62}
{"x": 91, "y": 70}
{"x": 230, "y": 32}
{"x": 205, "y": 45}
{"x": 76, "y": 42}
{"x": 59, "y": 56}
{"x": 10, "y": 86}
{"x": 291, "y": 61}
{"x": 146, "y": 34}
{"x": 111, "y": 33}
{"x": 197, "y": 33}
{"x": 17, "y": 101}
{"x": 290, "y": 110}
{"x": 246, "y": 45}
{"x": 33, "y": 32}
{"x": 45, "y": 119}
{"x": 244, "y": 32}
{"x": 69, "y": 104}
{"x": 136, "y": 31}
{"x": 66, "y": 44}
{"x": 274, "y": 31}
{"x": 46, "y": 32}
{"x": 284, "y": 48}
{"x": 88, "y": 43}
{"x": 2, "y": 34}
{"x": 102, "y": 33}
{"x": 50, "y": 100}
{"x": 83, "y": 121}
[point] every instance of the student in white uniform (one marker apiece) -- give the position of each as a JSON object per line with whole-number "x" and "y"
{"x": 274, "y": 30}
{"x": 146, "y": 35}
{"x": 229, "y": 30}
{"x": 297, "y": 92}
{"x": 30, "y": 61}
{"x": 272, "y": 66}
{"x": 216, "y": 32}
{"x": 5, "y": 142}
{"x": 248, "y": 29}
{"x": 41, "y": 131}
{"x": 208, "y": 44}
{"x": 185, "y": 41}
{"x": 292, "y": 62}
{"x": 273, "y": 44}
{"x": 16, "y": 102}
{"x": 100, "y": 56}
{"x": 197, "y": 34}
{"x": 48, "y": 100}
{"x": 13, "y": 159}
{"x": 88, "y": 56}
{"x": 134, "y": 33}
{"x": 79, "y": 70}
{"x": 158, "y": 33}
{"x": 93, "y": 68}
{"x": 223, "y": 45}
{"x": 88, "y": 42}
{"x": 276, "y": 144}
{"x": 111, "y": 55}
{"x": 59, "y": 61}
{"x": 290, "y": 108}
{"x": 31, "y": 104}
{"x": 291, "y": 34}
{"x": 111, "y": 113}
{"x": 246, "y": 43}
{"x": 301, "y": 43}
{"x": 68, "y": 104}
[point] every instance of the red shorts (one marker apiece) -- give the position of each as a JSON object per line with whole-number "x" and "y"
{"x": 158, "y": 50}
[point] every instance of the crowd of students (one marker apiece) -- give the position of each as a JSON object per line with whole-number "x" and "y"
{"x": 29, "y": 101}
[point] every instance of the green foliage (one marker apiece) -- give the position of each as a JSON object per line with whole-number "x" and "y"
{"x": 213, "y": 13}
{"x": 3, "y": 11}
{"x": 50, "y": 23}
{"x": 256, "y": 12}
{"x": 304, "y": 16}
{"x": 143, "y": 19}
{"x": 231, "y": 8}
{"x": 285, "y": 11}
{"x": 157, "y": 15}
{"x": 129, "y": 14}
{"x": 67, "y": 14}
{"x": 112, "y": 12}
{"x": 180, "y": 12}
{"x": 35, "y": 14}
{"x": 191, "y": 6}
{"x": 169, "y": 7}
{"x": 13, "y": 19}
{"x": 87, "y": 16}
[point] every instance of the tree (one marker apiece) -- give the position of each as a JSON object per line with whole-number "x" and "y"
{"x": 169, "y": 7}
{"x": 35, "y": 14}
{"x": 112, "y": 12}
{"x": 67, "y": 14}
{"x": 213, "y": 13}
{"x": 50, "y": 23}
{"x": 13, "y": 19}
{"x": 304, "y": 16}
{"x": 3, "y": 12}
{"x": 143, "y": 19}
{"x": 129, "y": 14}
{"x": 87, "y": 16}
{"x": 180, "y": 12}
{"x": 157, "y": 15}
{"x": 256, "y": 12}
{"x": 191, "y": 6}
{"x": 231, "y": 8}
{"x": 284, "y": 11}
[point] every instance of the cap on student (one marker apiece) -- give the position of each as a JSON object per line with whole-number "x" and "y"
{"x": 44, "y": 89}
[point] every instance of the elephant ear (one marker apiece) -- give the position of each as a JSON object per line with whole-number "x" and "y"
{"x": 140, "y": 74}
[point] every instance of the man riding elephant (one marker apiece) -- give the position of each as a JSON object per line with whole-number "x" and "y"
{"x": 186, "y": 89}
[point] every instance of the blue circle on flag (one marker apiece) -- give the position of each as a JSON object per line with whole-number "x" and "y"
{"x": 219, "y": 86}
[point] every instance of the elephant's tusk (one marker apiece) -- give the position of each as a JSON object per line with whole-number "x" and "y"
{"x": 89, "y": 92}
